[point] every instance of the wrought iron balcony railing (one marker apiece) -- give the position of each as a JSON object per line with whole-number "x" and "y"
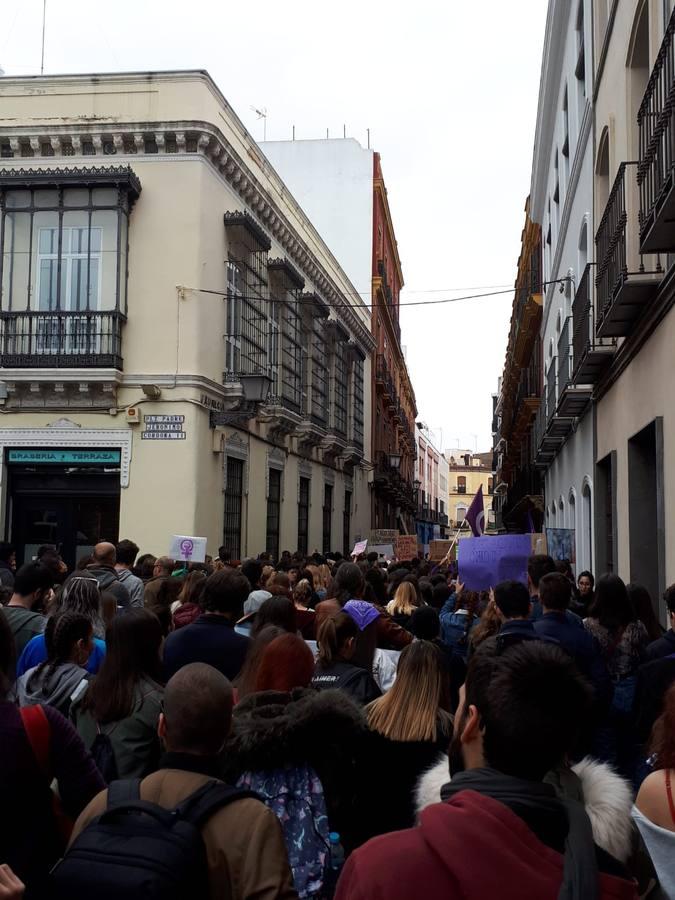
{"x": 41, "y": 340}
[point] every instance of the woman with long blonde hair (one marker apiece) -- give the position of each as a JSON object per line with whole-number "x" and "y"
{"x": 409, "y": 729}
{"x": 403, "y": 604}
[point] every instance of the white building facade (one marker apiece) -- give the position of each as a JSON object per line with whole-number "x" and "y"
{"x": 155, "y": 273}
{"x": 561, "y": 201}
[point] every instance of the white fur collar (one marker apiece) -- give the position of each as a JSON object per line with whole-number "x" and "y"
{"x": 607, "y": 797}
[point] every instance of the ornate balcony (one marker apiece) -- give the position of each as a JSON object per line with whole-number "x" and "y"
{"x": 625, "y": 280}
{"x": 590, "y": 354}
{"x": 572, "y": 398}
{"x": 44, "y": 340}
{"x": 656, "y": 169}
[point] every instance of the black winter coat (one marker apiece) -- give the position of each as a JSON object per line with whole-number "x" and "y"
{"x": 325, "y": 730}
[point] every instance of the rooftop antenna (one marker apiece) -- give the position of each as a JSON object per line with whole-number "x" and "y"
{"x": 44, "y": 19}
{"x": 260, "y": 113}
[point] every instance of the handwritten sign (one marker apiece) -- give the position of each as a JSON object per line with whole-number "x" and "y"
{"x": 438, "y": 550}
{"x": 386, "y": 550}
{"x": 406, "y": 546}
{"x": 359, "y": 548}
{"x": 485, "y": 561}
{"x": 188, "y": 548}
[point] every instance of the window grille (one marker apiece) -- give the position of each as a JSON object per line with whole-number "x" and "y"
{"x": 327, "y": 516}
{"x": 303, "y": 515}
{"x": 358, "y": 403}
{"x": 340, "y": 388}
{"x": 234, "y": 490}
{"x": 319, "y": 375}
{"x": 273, "y": 513}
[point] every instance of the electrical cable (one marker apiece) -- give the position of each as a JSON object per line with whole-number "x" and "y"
{"x": 299, "y": 300}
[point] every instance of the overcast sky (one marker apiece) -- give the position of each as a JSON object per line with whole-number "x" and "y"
{"x": 450, "y": 98}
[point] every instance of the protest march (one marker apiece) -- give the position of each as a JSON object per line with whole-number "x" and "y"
{"x": 393, "y": 703}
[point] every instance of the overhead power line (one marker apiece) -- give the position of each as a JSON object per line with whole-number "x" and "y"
{"x": 224, "y": 294}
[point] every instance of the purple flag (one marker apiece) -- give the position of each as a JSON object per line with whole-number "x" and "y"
{"x": 475, "y": 514}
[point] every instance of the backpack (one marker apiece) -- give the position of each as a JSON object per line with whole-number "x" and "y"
{"x": 137, "y": 849}
{"x": 295, "y": 796}
{"x": 103, "y": 754}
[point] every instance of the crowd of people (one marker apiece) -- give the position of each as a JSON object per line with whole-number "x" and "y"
{"x": 319, "y": 726}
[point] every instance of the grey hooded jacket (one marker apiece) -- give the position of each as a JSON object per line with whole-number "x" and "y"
{"x": 58, "y": 689}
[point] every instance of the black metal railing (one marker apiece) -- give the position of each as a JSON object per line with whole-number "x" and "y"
{"x": 582, "y": 319}
{"x": 550, "y": 389}
{"x": 33, "y": 339}
{"x": 657, "y": 128}
{"x": 610, "y": 243}
{"x": 564, "y": 358}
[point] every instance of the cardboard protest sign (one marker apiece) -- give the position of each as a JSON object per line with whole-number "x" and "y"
{"x": 383, "y": 536}
{"x": 406, "y": 546}
{"x": 188, "y": 548}
{"x": 561, "y": 543}
{"x": 539, "y": 544}
{"x": 359, "y": 548}
{"x": 485, "y": 561}
{"x": 438, "y": 550}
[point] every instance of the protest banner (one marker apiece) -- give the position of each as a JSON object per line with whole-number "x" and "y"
{"x": 385, "y": 550}
{"x": 438, "y": 550}
{"x": 359, "y": 548}
{"x": 561, "y": 543}
{"x": 188, "y": 548}
{"x": 485, "y": 561}
{"x": 406, "y": 546}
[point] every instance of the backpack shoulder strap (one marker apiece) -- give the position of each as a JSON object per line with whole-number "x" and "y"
{"x": 38, "y": 732}
{"x": 209, "y": 798}
{"x": 124, "y": 791}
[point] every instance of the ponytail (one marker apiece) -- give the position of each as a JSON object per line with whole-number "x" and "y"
{"x": 334, "y": 632}
{"x": 63, "y": 631}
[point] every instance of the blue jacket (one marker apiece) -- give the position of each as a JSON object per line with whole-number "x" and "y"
{"x": 35, "y": 652}
{"x": 210, "y": 639}
{"x": 537, "y": 612}
{"x": 454, "y": 630}
{"x": 582, "y": 646}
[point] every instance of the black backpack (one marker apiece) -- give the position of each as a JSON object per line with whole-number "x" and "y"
{"x": 136, "y": 849}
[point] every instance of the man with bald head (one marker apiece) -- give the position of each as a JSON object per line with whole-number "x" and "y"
{"x": 103, "y": 570}
{"x": 244, "y": 843}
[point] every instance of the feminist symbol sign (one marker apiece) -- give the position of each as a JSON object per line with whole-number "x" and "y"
{"x": 186, "y": 547}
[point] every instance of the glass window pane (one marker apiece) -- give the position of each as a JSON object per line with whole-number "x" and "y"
{"x": 15, "y": 261}
{"x": 76, "y": 197}
{"x": 48, "y": 199}
{"x": 94, "y": 287}
{"x": 106, "y": 223}
{"x": 104, "y": 196}
{"x": 47, "y": 284}
{"x": 123, "y": 262}
{"x": 15, "y": 199}
{"x": 95, "y": 240}
{"x": 48, "y": 240}
{"x": 78, "y": 240}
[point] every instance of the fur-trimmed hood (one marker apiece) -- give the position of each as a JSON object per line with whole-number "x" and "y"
{"x": 272, "y": 729}
{"x": 608, "y": 800}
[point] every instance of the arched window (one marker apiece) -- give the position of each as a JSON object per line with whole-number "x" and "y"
{"x": 638, "y": 71}
{"x": 587, "y": 509}
{"x": 583, "y": 248}
{"x": 460, "y": 513}
{"x": 602, "y": 173}
{"x": 461, "y": 484}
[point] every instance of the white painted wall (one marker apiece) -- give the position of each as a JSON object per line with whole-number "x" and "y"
{"x": 332, "y": 180}
{"x": 571, "y": 472}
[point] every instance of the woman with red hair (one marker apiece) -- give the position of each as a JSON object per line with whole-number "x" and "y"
{"x": 287, "y": 663}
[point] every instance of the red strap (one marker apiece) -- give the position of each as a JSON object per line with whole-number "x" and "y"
{"x": 670, "y": 796}
{"x": 36, "y": 725}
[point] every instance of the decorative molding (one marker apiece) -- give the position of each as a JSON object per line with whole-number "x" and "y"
{"x": 71, "y": 435}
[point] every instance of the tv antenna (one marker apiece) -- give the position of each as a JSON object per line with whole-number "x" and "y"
{"x": 260, "y": 113}
{"x": 44, "y": 20}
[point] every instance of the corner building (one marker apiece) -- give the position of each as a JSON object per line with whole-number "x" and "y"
{"x": 156, "y": 273}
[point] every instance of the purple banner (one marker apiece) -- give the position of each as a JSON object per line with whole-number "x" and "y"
{"x": 485, "y": 561}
